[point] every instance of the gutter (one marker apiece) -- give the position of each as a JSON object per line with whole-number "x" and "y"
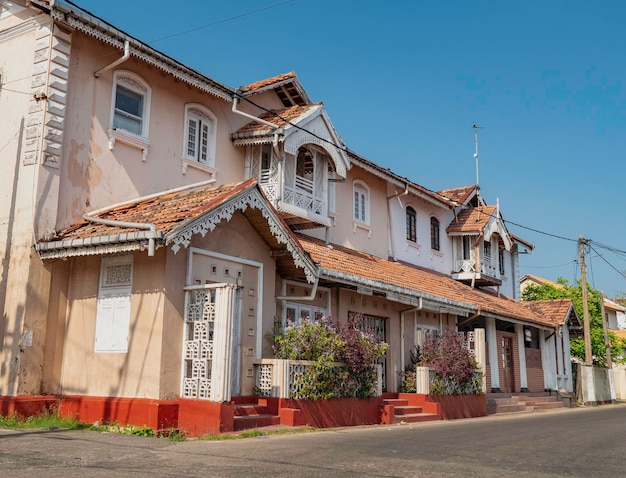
{"x": 309, "y": 297}
{"x": 276, "y": 128}
{"x": 151, "y": 235}
{"x": 119, "y": 61}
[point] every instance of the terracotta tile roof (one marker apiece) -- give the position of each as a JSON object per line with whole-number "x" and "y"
{"x": 166, "y": 211}
{"x": 270, "y": 81}
{"x": 387, "y": 275}
{"x": 557, "y": 310}
{"x": 472, "y": 220}
{"x": 460, "y": 194}
{"x": 279, "y": 117}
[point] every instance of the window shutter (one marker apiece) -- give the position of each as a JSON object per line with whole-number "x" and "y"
{"x": 192, "y": 128}
{"x": 204, "y": 143}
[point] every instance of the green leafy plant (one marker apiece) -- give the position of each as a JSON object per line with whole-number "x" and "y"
{"x": 326, "y": 342}
{"x": 46, "y": 420}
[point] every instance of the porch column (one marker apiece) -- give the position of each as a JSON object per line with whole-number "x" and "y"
{"x": 521, "y": 346}
{"x": 226, "y": 313}
{"x": 494, "y": 363}
{"x": 479, "y": 355}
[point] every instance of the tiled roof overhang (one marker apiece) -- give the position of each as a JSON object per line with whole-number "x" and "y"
{"x": 81, "y": 20}
{"x": 412, "y": 285}
{"x": 176, "y": 218}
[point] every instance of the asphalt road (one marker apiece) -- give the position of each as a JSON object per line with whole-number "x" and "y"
{"x": 588, "y": 442}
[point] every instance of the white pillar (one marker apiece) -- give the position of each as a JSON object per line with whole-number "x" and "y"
{"x": 480, "y": 355}
{"x": 523, "y": 376}
{"x": 422, "y": 380}
{"x": 226, "y": 310}
{"x": 494, "y": 363}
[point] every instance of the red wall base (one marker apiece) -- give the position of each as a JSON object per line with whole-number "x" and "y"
{"x": 343, "y": 412}
{"x": 461, "y": 406}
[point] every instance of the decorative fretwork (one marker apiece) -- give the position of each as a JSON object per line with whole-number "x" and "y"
{"x": 264, "y": 379}
{"x": 145, "y": 53}
{"x": 198, "y": 344}
{"x": 118, "y": 275}
{"x": 249, "y": 199}
{"x": 295, "y": 384}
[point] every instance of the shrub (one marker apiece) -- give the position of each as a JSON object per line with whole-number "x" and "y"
{"x": 327, "y": 341}
{"x": 454, "y": 367}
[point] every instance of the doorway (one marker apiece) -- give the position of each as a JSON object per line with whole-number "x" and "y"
{"x": 508, "y": 384}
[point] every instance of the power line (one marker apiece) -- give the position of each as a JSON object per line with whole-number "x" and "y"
{"x": 608, "y": 263}
{"x": 235, "y": 17}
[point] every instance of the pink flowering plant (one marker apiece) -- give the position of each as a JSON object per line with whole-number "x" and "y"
{"x": 455, "y": 368}
{"x": 328, "y": 342}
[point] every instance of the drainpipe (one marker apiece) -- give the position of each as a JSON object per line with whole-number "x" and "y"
{"x": 119, "y": 61}
{"x": 254, "y": 118}
{"x": 391, "y": 238}
{"x": 136, "y": 225}
{"x": 90, "y": 216}
{"x": 402, "y": 312}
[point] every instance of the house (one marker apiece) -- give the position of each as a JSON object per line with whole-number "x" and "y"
{"x": 158, "y": 224}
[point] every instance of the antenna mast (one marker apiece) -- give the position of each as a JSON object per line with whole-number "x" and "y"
{"x": 476, "y": 128}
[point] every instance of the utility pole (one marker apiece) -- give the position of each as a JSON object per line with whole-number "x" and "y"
{"x": 583, "y": 277}
{"x": 607, "y": 343}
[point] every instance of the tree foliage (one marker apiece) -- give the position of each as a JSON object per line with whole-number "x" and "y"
{"x": 564, "y": 290}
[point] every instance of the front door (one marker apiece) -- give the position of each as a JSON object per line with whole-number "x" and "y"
{"x": 507, "y": 365}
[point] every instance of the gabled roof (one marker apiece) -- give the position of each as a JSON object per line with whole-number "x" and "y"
{"x": 559, "y": 311}
{"x": 281, "y": 118}
{"x": 286, "y": 86}
{"x": 175, "y": 217}
{"x": 461, "y": 194}
{"x": 343, "y": 265}
{"x": 472, "y": 220}
{"x": 296, "y": 126}
{"x": 540, "y": 281}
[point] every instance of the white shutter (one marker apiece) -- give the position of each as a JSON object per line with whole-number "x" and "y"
{"x": 204, "y": 141}
{"x": 113, "y": 310}
{"x": 192, "y": 133}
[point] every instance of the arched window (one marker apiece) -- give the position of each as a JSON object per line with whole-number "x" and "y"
{"x": 200, "y": 129}
{"x": 434, "y": 233}
{"x": 411, "y": 224}
{"x": 305, "y": 170}
{"x": 361, "y": 202}
{"x": 130, "y": 103}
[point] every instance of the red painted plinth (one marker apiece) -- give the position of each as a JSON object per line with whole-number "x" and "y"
{"x": 341, "y": 412}
{"x": 27, "y": 405}
{"x": 156, "y": 414}
{"x": 201, "y": 417}
{"x": 461, "y": 406}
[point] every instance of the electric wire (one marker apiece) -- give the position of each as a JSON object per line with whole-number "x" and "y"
{"x": 608, "y": 263}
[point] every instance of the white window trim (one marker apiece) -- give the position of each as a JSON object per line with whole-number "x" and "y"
{"x": 360, "y": 185}
{"x": 121, "y": 291}
{"x": 200, "y": 111}
{"x": 135, "y": 83}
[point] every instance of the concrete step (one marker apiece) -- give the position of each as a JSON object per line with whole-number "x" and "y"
{"x": 255, "y": 421}
{"x": 416, "y": 418}
{"x": 396, "y": 402}
{"x": 508, "y": 408}
{"x": 407, "y": 410}
{"x": 249, "y": 409}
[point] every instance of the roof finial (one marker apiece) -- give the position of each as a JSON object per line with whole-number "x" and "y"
{"x": 476, "y": 128}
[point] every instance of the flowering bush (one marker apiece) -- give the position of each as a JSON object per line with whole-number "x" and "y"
{"x": 327, "y": 341}
{"x": 454, "y": 367}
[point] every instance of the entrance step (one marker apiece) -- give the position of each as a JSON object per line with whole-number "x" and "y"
{"x": 253, "y": 415}
{"x": 405, "y": 413}
{"x": 517, "y": 403}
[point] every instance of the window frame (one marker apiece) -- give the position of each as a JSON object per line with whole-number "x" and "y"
{"x": 410, "y": 215}
{"x": 435, "y": 234}
{"x": 135, "y": 84}
{"x": 205, "y": 116}
{"x": 360, "y": 202}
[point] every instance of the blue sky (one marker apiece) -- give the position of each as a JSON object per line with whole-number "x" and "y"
{"x": 403, "y": 83}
